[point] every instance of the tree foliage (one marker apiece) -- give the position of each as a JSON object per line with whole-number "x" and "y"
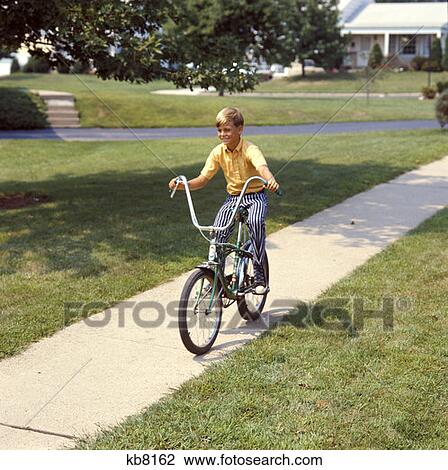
{"x": 189, "y": 42}
{"x": 314, "y": 32}
{"x": 219, "y": 39}
{"x": 122, "y": 39}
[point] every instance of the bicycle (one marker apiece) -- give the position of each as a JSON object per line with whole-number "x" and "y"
{"x": 225, "y": 278}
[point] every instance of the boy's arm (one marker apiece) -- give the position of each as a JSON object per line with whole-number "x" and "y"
{"x": 196, "y": 183}
{"x": 267, "y": 175}
{"x": 210, "y": 168}
{"x": 259, "y": 162}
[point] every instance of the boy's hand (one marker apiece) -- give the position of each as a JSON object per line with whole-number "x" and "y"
{"x": 272, "y": 185}
{"x": 172, "y": 183}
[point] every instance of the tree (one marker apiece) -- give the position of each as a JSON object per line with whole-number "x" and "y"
{"x": 4, "y": 52}
{"x": 315, "y": 32}
{"x": 189, "y": 42}
{"x": 220, "y": 39}
{"x": 376, "y": 57}
{"x": 122, "y": 38}
{"x": 445, "y": 55}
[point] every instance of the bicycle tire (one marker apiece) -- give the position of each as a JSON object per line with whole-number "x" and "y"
{"x": 243, "y": 305}
{"x": 185, "y": 309}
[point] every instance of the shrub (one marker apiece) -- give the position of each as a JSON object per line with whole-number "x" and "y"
{"x": 441, "y": 87}
{"x": 376, "y": 57}
{"x": 442, "y": 109}
{"x": 429, "y": 92}
{"x": 37, "y": 64}
{"x": 80, "y": 67}
{"x": 63, "y": 68}
{"x": 431, "y": 66}
{"x": 15, "y": 67}
{"x": 21, "y": 110}
{"x": 417, "y": 62}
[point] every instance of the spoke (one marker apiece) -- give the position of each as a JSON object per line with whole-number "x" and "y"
{"x": 200, "y": 317}
{"x": 203, "y": 297}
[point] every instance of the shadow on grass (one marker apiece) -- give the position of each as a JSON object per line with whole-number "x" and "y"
{"x": 93, "y": 221}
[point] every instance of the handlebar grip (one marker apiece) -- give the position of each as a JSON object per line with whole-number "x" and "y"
{"x": 280, "y": 192}
{"x": 173, "y": 191}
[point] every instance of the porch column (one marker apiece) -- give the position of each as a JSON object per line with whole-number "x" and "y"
{"x": 386, "y": 45}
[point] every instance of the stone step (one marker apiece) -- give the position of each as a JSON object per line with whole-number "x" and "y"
{"x": 61, "y": 111}
{"x": 60, "y": 103}
{"x": 68, "y": 113}
{"x": 61, "y": 121}
{"x": 54, "y": 95}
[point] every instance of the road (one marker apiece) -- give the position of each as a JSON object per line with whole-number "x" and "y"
{"x": 97, "y": 134}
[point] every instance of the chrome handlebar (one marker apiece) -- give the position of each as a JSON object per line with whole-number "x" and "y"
{"x": 211, "y": 228}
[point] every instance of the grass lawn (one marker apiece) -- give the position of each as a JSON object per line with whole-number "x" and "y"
{"x": 311, "y": 388}
{"x": 110, "y": 230}
{"x": 386, "y": 82}
{"x": 139, "y": 108}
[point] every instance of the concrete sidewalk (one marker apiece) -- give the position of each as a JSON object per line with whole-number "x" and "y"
{"x": 95, "y": 373}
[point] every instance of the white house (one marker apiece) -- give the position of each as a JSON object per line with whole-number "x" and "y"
{"x": 5, "y": 66}
{"x": 391, "y": 25}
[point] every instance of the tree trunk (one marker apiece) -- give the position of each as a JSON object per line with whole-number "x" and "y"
{"x": 221, "y": 92}
{"x": 303, "y": 67}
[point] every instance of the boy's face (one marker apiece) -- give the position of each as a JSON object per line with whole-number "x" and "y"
{"x": 229, "y": 134}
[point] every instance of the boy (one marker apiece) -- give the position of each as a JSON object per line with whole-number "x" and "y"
{"x": 239, "y": 160}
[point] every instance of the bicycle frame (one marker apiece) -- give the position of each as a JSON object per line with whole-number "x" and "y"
{"x": 216, "y": 257}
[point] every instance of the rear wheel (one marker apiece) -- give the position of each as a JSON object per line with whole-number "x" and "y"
{"x": 200, "y": 311}
{"x": 250, "y": 306}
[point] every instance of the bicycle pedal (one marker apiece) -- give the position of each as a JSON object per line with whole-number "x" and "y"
{"x": 253, "y": 291}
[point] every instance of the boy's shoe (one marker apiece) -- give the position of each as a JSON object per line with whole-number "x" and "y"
{"x": 259, "y": 284}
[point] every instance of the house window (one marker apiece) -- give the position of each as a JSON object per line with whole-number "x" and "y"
{"x": 366, "y": 42}
{"x": 408, "y": 44}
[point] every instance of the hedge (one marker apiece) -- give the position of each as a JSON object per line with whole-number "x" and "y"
{"x": 21, "y": 110}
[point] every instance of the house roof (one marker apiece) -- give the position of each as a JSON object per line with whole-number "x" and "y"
{"x": 343, "y": 3}
{"x": 400, "y": 15}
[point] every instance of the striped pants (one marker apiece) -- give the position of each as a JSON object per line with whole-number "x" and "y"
{"x": 257, "y": 206}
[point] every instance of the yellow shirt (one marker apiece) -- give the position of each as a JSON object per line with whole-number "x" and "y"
{"x": 237, "y": 166}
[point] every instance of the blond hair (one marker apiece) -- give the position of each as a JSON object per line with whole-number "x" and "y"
{"x": 232, "y": 115}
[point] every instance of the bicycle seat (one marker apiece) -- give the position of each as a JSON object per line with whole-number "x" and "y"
{"x": 241, "y": 214}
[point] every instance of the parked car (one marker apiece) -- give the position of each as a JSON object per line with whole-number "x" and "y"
{"x": 277, "y": 68}
{"x": 311, "y": 67}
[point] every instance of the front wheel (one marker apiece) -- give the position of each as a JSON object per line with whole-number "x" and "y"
{"x": 200, "y": 312}
{"x": 251, "y": 305}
